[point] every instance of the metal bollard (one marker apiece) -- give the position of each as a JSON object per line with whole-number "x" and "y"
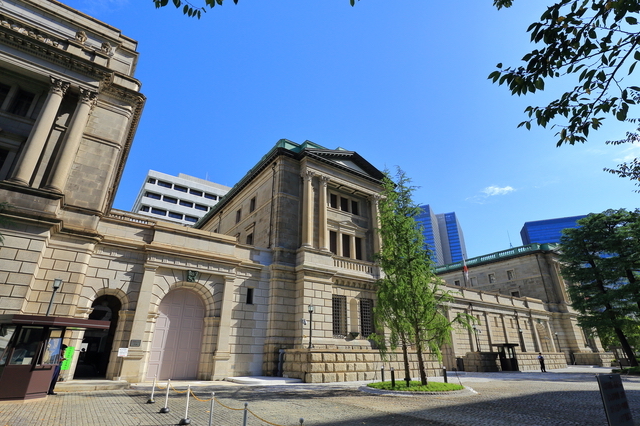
{"x": 444, "y": 374}
{"x": 165, "y": 409}
{"x": 153, "y": 390}
{"x": 382, "y": 372}
{"x": 246, "y": 412}
{"x": 301, "y": 421}
{"x": 393, "y": 378}
{"x": 186, "y": 419}
{"x": 213, "y": 396}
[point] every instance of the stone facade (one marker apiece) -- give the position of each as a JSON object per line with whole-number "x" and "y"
{"x": 232, "y": 296}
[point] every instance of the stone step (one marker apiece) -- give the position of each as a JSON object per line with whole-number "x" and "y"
{"x": 91, "y": 385}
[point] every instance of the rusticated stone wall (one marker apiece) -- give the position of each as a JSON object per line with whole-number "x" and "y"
{"x": 325, "y": 366}
{"x": 489, "y": 361}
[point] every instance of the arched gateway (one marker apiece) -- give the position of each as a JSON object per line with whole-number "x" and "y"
{"x": 177, "y": 339}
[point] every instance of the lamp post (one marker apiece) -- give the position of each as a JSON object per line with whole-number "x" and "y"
{"x": 477, "y": 331}
{"x": 57, "y": 283}
{"x": 310, "y": 309}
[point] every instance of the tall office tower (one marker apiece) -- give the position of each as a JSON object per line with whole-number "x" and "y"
{"x": 431, "y": 233}
{"x": 547, "y": 231}
{"x": 443, "y": 234}
{"x": 182, "y": 199}
{"x": 452, "y": 238}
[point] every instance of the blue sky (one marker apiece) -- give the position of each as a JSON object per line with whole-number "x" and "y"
{"x": 403, "y": 83}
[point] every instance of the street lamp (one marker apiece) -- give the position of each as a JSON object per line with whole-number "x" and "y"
{"x": 310, "y": 309}
{"x": 477, "y": 331}
{"x": 57, "y": 283}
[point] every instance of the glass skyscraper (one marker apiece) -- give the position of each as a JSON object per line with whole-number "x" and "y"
{"x": 547, "y": 231}
{"x": 443, "y": 235}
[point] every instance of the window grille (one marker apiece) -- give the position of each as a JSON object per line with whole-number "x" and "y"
{"x": 366, "y": 317}
{"x": 339, "y": 305}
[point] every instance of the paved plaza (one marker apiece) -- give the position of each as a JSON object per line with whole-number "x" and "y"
{"x": 561, "y": 397}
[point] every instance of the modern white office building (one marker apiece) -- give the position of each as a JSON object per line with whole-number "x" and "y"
{"x": 181, "y": 199}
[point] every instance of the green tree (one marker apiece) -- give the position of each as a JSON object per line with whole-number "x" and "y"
{"x": 601, "y": 261}
{"x": 631, "y": 169}
{"x": 594, "y": 43}
{"x": 411, "y": 300}
{"x": 194, "y": 10}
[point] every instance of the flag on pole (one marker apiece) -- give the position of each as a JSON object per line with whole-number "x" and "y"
{"x": 465, "y": 270}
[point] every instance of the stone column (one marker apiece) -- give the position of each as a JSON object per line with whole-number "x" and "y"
{"x": 132, "y": 366}
{"x": 307, "y": 208}
{"x": 222, "y": 355}
{"x": 375, "y": 224}
{"x": 551, "y": 336}
{"x": 40, "y": 132}
{"x": 352, "y": 246}
{"x": 323, "y": 237}
{"x": 72, "y": 140}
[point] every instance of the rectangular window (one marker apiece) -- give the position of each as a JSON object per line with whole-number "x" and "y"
{"x": 354, "y": 207}
{"x": 366, "y": 317}
{"x": 180, "y": 188}
{"x": 190, "y": 218}
{"x": 344, "y": 204}
{"x": 457, "y": 282}
{"x": 249, "y": 296}
{"x": 22, "y": 103}
{"x": 492, "y": 278}
{"x": 515, "y": 294}
{"x": 358, "y": 248}
{"x": 201, "y": 207}
{"x": 333, "y": 242}
{"x": 152, "y": 181}
{"x": 252, "y": 204}
{"x": 175, "y": 215}
{"x": 152, "y": 195}
{"x": 511, "y": 275}
{"x": 346, "y": 246}
{"x": 159, "y": 212}
{"x": 186, "y": 203}
{"x": 238, "y": 215}
{"x": 339, "y": 313}
{"x": 210, "y": 196}
{"x": 170, "y": 200}
{"x": 474, "y": 281}
{"x": 144, "y": 208}
{"x": 333, "y": 200}
{"x": 195, "y": 192}
{"x": 4, "y": 91}
{"x": 250, "y": 239}
{"x": 164, "y": 184}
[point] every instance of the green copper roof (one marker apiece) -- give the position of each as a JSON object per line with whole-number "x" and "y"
{"x": 499, "y": 255}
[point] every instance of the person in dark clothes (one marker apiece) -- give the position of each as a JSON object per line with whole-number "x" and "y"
{"x": 56, "y": 370}
{"x": 541, "y": 359}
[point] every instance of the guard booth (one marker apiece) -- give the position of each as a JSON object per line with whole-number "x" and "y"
{"x": 507, "y": 356}
{"x": 30, "y": 350}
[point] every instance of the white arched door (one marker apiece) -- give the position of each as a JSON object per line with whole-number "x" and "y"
{"x": 177, "y": 339}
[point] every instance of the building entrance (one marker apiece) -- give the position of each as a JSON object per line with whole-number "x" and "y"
{"x": 177, "y": 339}
{"x": 96, "y": 345}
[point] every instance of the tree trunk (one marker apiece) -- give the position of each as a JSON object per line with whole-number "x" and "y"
{"x": 419, "y": 348}
{"x": 407, "y": 371}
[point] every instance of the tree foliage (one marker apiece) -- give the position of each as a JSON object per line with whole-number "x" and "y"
{"x": 601, "y": 260}
{"x": 194, "y": 10}
{"x": 411, "y": 301}
{"x": 592, "y": 42}
{"x": 631, "y": 169}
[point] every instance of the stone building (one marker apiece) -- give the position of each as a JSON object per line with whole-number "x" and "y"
{"x": 227, "y": 298}
{"x": 529, "y": 275}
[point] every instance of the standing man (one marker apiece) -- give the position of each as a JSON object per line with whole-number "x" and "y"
{"x": 56, "y": 370}
{"x": 541, "y": 359}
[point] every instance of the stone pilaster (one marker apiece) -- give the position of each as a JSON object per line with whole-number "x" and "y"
{"x": 375, "y": 224}
{"x": 323, "y": 237}
{"x": 307, "y": 208}
{"x": 223, "y": 349}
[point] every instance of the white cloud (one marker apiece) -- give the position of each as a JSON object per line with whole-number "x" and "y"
{"x": 492, "y": 190}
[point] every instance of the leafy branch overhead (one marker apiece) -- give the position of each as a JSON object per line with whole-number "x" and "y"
{"x": 592, "y": 42}
{"x": 194, "y": 10}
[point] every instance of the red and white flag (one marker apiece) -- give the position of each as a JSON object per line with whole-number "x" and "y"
{"x": 465, "y": 269}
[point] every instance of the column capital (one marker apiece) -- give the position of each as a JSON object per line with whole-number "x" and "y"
{"x": 307, "y": 175}
{"x": 58, "y": 86}
{"x": 324, "y": 180}
{"x": 88, "y": 97}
